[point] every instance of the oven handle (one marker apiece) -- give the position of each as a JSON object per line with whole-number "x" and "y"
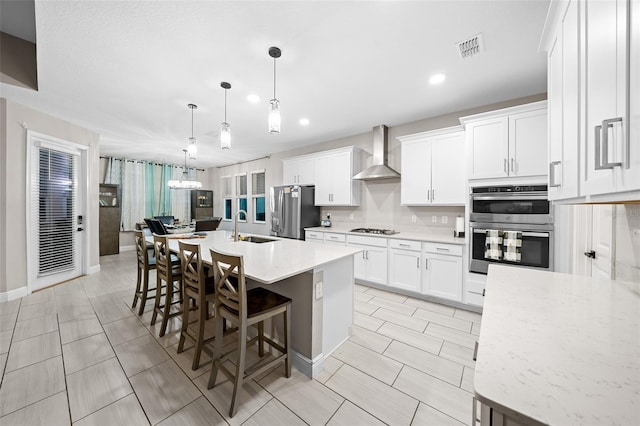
{"x": 524, "y": 233}
{"x": 521, "y": 196}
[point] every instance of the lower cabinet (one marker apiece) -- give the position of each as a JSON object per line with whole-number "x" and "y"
{"x": 442, "y": 273}
{"x": 405, "y": 261}
{"x": 371, "y": 263}
{"x": 334, "y": 238}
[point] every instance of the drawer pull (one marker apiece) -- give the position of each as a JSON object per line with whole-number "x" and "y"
{"x": 442, "y": 249}
{"x": 404, "y": 245}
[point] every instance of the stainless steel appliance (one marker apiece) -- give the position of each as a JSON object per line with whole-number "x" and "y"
{"x": 292, "y": 210}
{"x": 510, "y": 225}
{"x": 374, "y": 231}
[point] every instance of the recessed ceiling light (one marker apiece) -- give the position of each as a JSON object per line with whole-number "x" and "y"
{"x": 437, "y": 78}
{"x": 253, "y": 98}
{"x": 304, "y": 121}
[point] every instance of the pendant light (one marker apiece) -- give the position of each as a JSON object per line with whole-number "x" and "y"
{"x": 184, "y": 182}
{"x": 274, "y": 104}
{"x": 225, "y": 129}
{"x": 192, "y": 148}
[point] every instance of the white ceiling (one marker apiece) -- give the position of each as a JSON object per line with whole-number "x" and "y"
{"x": 128, "y": 69}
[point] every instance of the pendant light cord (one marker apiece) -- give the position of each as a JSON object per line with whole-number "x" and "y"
{"x": 274, "y": 78}
{"x": 225, "y": 105}
{"x": 191, "y": 132}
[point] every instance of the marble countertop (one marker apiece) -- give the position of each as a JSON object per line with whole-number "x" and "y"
{"x": 560, "y": 349}
{"x": 268, "y": 262}
{"x": 436, "y": 235}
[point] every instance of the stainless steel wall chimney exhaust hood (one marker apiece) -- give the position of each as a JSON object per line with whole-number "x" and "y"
{"x": 379, "y": 169}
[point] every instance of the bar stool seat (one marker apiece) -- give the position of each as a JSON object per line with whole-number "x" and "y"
{"x": 146, "y": 263}
{"x": 244, "y": 309}
{"x": 169, "y": 271}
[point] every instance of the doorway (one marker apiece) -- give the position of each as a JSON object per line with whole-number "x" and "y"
{"x": 57, "y": 208}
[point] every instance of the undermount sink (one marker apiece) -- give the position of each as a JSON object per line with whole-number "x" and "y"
{"x": 256, "y": 239}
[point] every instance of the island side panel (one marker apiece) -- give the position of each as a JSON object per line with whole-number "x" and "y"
{"x": 337, "y": 289}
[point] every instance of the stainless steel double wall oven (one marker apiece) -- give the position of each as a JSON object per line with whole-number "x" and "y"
{"x": 510, "y": 225}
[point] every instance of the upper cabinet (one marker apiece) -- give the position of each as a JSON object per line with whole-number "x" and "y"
{"x": 433, "y": 168}
{"x": 330, "y": 172}
{"x": 594, "y": 133}
{"x": 509, "y": 143}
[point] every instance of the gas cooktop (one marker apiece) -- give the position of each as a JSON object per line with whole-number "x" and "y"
{"x": 375, "y": 231}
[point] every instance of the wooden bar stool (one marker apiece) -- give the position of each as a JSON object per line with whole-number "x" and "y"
{"x": 169, "y": 271}
{"x": 245, "y": 308}
{"x": 146, "y": 262}
{"x": 196, "y": 287}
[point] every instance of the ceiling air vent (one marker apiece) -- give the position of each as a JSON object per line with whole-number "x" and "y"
{"x": 470, "y": 47}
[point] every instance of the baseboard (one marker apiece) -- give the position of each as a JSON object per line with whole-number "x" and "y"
{"x": 93, "y": 269}
{"x": 13, "y": 294}
{"x": 308, "y": 367}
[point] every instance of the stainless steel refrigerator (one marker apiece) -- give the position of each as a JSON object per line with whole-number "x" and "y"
{"x": 292, "y": 210}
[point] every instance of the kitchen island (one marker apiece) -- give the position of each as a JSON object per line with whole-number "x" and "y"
{"x": 319, "y": 280}
{"x": 558, "y": 349}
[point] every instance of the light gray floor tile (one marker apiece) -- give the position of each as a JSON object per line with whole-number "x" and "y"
{"x": 51, "y": 411}
{"x": 33, "y": 350}
{"x": 460, "y": 354}
{"x": 31, "y": 384}
{"x": 42, "y": 296}
{"x": 35, "y": 327}
{"x": 86, "y": 352}
{"x": 125, "y": 411}
{"x": 73, "y": 287}
{"x": 467, "y": 379}
{"x": 109, "y": 309}
{"x": 297, "y": 391}
{"x": 360, "y": 288}
{"x": 369, "y": 339}
{"x": 410, "y": 337}
{"x": 96, "y": 387}
{"x": 376, "y": 365}
{"x": 273, "y": 413}
{"x": 447, "y": 321}
{"x": 426, "y": 362}
{"x": 475, "y": 328}
{"x": 468, "y": 315}
{"x": 381, "y": 400}
{"x": 12, "y": 307}
{"x": 184, "y": 360}
{"x": 330, "y": 366}
{"x": 79, "y": 329}
{"x": 450, "y": 335}
{"x": 365, "y": 321}
{"x": 251, "y": 397}
{"x": 199, "y": 412}
{"x": 123, "y": 330}
{"x": 362, "y": 297}
{"x": 5, "y": 340}
{"x": 364, "y": 307}
{"x": 427, "y": 416}
{"x": 71, "y": 312}
{"x": 401, "y": 308}
{"x": 3, "y": 361}
{"x": 449, "y": 399}
{"x": 8, "y": 320}
{"x": 350, "y": 415}
{"x": 387, "y": 295}
{"x": 407, "y": 321}
{"x": 139, "y": 354}
{"x": 430, "y": 306}
{"x": 36, "y": 311}
{"x": 163, "y": 390}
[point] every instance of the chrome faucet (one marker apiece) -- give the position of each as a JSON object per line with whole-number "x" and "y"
{"x": 235, "y": 223}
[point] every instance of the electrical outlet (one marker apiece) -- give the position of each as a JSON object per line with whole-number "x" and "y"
{"x": 445, "y": 219}
{"x": 414, "y": 218}
{"x": 319, "y": 290}
{"x": 350, "y": 216}
{"x": 434, "y": 219}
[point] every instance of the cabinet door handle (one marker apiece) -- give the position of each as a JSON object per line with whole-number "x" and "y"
{"x": 426, "y": 264}
{"x": 504, "y": 166}
{"x": 428, "y": 194}
{"x": 418, "y": 262}
{"x": 602, "y": 145}
{"x": 552, "y": 174}
{"x": 366, "y": 254}
{"x": 513, "y": 165}
{"x": 433, "y": 195}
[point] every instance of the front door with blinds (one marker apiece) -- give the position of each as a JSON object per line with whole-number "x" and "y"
{"x": 56, "y": 217}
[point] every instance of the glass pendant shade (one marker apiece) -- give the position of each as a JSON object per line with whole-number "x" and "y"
{"x": 274, "y": 116}
{"x": 192, "y": 148}
{"x": 225, "y": 136}
{"x": 184, "y": 184}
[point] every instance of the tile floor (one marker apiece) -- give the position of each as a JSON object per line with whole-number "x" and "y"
{"x": 76, "y": 353}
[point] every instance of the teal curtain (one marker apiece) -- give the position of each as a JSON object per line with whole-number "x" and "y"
{"x": 150, "y": 189}
{"x": 165, "y": 193}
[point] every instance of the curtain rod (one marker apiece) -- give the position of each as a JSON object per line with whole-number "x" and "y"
{"x": 242, "y": 162}
{"x": 151, "y": 162}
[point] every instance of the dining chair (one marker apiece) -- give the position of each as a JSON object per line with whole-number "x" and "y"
{"x": 146, "y": 263}
{"x": 169, "y": 271}
{"x": 207, "y": 224}
{"x": 198, "y": 288}
{"x": 243, "y": 309}
{"x": 156, "y": 226}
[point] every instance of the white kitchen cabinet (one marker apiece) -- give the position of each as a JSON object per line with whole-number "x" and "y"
{"x": 507, "y": 143}
{"x": 332, "y": 177}
{"x": 314, "y": 236}
{"x": 334, "y": 238}
{"x": 298, "y": 170}
{"x": 594, "y": 82}
{"x": 371, "y": 264}
{"x": 433, "y": 168}
{"x": 442, "y": 273}
{"x": 405, "y": 264}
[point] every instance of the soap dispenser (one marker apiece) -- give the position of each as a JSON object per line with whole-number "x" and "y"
{"x": 326, "y": 222}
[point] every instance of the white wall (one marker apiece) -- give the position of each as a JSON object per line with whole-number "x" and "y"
{"x": 13, "y": 193}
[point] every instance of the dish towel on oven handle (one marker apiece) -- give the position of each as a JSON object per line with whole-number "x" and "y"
{"x": 493, "y": 245}
{"x": 512, "y": 241}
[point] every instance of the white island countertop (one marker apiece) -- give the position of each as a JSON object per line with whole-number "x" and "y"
{"x": 559, "y": 349}
{"x": 272, "y": 261}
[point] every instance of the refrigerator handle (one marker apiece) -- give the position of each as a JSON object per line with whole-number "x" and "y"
{"x": 280, "y": 210}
